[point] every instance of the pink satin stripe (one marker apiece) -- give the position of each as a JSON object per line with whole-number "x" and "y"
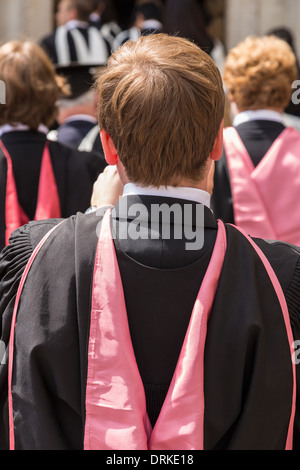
{"x": 48, "y": 203}
{"x": 14, "y": 216}
{"x": 12, "y": 335}
{"x": 116, "y": 415}
{"x": 248, "y": 206}
{"x": 283, "y": 304}
{"x": 48, "y": 206}
{"x": 180, "y": 424}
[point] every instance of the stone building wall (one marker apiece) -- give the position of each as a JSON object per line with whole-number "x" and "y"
{"x": 245, "y": 17}
{"x": 21, "y": 19}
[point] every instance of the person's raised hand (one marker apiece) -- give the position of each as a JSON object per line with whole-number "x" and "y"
{"x": 108, "y": 188}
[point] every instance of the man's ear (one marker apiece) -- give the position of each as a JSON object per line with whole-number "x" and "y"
{"x": 73, "y": 14}
{"x": 110, "y": 152}
{"x": 217, "y": 150}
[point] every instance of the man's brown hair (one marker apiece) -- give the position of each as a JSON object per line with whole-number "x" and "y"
{"x": 259, "y": 73}
{"x": 32, "y": 86}
{"x": 84, "y": 8}
{"x": 161, "y": 100}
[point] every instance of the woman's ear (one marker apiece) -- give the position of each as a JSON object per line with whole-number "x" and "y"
{"x": 110, "y": 152}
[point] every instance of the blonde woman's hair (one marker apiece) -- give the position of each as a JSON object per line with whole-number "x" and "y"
{"x": 32, "y": 86}
{"x": 259, "y": 73}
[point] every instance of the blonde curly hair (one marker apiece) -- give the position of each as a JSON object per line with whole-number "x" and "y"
{"x": 259, "y": 73}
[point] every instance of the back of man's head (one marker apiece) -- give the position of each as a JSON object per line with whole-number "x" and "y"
{"x": 149, "y": 10}
{"x": 83, "y": 8}
{"x": 161, "y": 100}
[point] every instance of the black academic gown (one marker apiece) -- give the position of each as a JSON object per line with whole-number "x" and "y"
{"x": 48, "y": 44}
{"x": 247, "y": 363}
{"x": 75, "y": 173}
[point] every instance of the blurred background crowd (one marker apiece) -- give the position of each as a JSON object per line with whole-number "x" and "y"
{"x": 230, "y": 20}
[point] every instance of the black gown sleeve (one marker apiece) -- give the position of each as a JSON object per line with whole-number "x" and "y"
{"x": 46, "y": 383}
{"x": 286, "y": 263}
{"x": 293, "y": 300}
{"x": 13, "y": 260}
{"x": 49, "y": 370}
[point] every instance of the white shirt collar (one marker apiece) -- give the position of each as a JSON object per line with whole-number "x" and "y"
{"x": 21, "y": 127}
{"x": 95, "y": 16}
{"x": 190, "y": 194}
{"x": 152, "y": 24}
{"x": 257, "y": 115}
{"x": 76, "y": 24}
